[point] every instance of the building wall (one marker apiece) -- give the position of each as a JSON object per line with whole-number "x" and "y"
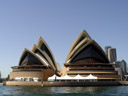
{"x": 43, "y": 75}
{"x": 123, "y": 67}
{"x": 13, "y": 75}
{"x": 23, "y": 83}
{"x": 64, "y": 71}
{"x": 101, "y": 71}
{"x": 106, "y": 50}
{"x": 47, "y": 73}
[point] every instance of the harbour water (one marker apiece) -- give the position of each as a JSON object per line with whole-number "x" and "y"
{"x": 63, "y": 91}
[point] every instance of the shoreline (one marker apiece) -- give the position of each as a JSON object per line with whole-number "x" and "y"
{"x": 65, "y": 84}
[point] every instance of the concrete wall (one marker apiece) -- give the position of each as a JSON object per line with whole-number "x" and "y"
{"x": 79, "y": 84}
{"x": 64, "y": 71}
{"x": 47, "y": 73}
{"x": 43, "y": 75}
{"x": 26, "y": 74}
{"x": 22, "y": 83}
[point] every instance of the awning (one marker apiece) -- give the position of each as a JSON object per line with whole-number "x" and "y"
{"x": 78, "y": 77}
{"x": 52, "y": 78}
{"x": 90, "y": 77}
{"x": 66, "y": 77}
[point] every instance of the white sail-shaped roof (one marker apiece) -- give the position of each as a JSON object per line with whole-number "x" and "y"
{"x": 83, "y": 42}
{"x": 44, "y": 47}
{"x": 81, "y": 38}
{"x": 39, "y": 54}
{"x": 33, "y": 57}
{"x": 43, "y": 55}
{"x": 91, "y": 42}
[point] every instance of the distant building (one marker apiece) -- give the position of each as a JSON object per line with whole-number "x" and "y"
{"x": 0, "y": 75}
{"x": 112, "y": 55}
{"x": 106, "y": 50}
{"x": 117, "y": 64}
{"x": 123, "y": 67}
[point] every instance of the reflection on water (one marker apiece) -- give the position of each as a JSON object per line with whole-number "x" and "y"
{"x": 68, "y": 91}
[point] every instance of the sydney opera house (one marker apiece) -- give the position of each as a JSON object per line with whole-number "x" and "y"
{"x": 85, "y": 57}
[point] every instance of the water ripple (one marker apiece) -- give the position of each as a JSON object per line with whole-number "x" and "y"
{"x": 64, "y": 91}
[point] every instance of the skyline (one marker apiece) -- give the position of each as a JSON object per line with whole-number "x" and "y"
{"x": 59, "y": 23}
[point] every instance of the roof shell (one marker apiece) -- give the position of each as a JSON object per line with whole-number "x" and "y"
{"x": 87, "y": 44}
{"x": 44, "y": 55}
{"x": 40, "y": 42}
{"x": 37, "y": 57}
{"x": 79, "y": 39}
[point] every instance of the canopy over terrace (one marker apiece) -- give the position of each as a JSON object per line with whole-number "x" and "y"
{"x": 78, "y": 77}
{"x": 66, "y": 77}
{"x": 52, "y": 78}
{"x": 90, "y": 77}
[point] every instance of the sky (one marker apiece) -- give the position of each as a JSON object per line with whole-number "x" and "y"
{"x": 59, "y": 22}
